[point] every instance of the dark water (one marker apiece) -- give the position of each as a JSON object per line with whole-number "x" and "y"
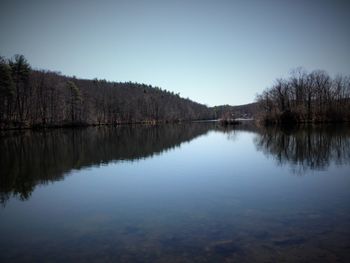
{"x": 176, "y": 193}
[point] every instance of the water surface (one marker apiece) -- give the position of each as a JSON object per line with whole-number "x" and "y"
{"x": 175, "y": 193}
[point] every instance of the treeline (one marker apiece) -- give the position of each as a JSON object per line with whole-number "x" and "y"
{"x": 38, "y": 98}
{"x": 306, "y": 97}
{"x": 241, "y": 111}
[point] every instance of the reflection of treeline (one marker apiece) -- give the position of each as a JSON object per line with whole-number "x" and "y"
{"x": 30, "y": 98}
{"x": 38, "y": 157}
{"x": 308, "y": 147}
{"x": 306, "y": 97}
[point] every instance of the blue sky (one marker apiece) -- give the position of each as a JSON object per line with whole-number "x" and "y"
{"x": 214, "y": 52}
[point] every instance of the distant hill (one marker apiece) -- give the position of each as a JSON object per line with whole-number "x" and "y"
{"x": 240, "y": 111}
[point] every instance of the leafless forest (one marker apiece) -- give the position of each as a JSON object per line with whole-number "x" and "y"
{"x": 306, "y": 97}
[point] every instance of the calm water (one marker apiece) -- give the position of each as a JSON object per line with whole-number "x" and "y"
{"x": 175, "y": 193}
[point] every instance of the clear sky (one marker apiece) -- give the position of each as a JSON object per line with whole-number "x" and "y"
{"x": 214, "y": 52}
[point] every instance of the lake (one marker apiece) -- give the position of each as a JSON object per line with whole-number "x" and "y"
{"x": 176, "y": 193}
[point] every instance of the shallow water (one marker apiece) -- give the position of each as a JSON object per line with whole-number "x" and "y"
{"x": 176, "y": 193}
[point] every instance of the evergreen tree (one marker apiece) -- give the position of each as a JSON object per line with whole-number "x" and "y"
{"x": 7, "y": 90}
{"x": 75, "y": 101}
{"x": 20, "y": 69}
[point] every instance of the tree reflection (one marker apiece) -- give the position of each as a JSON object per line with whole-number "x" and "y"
{"x": 32, "y": 158}
{"x": 312, "y": 147}
{"x": 40, "y": 157}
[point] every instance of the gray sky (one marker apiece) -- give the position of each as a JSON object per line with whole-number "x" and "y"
{"x": 214, "y": 52}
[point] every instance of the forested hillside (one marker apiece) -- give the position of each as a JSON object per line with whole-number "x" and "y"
{"x": 240, "y": 111}
{"x": 38, "y": 98}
